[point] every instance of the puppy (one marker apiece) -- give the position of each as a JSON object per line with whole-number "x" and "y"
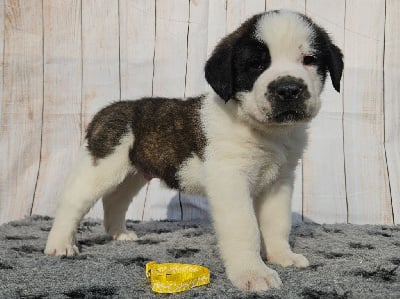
{"x": 238, "y": 145}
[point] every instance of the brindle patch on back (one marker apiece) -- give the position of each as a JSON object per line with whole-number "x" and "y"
{"x": 107, "y": 127}
{"x": 167, "y": 132}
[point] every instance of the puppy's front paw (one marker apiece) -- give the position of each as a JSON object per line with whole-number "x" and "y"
{"x": 125, "y": 236}
{"x": 254, "y": 278}
{"x": 289, "y": 258}
{"x": 61, "y": 249}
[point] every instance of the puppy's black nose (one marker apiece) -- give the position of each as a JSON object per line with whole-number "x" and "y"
{"x": 286, "y": 88}
{"x": 289, "y": 90}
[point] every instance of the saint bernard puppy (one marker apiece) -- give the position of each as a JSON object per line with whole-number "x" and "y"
{"x": 238, "y": 145}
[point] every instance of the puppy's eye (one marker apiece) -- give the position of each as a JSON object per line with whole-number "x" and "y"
{"x": 308, "y": 60}
{"x": 256, "y": 65}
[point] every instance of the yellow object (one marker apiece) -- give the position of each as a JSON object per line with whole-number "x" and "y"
{"x": 174, "y": 278}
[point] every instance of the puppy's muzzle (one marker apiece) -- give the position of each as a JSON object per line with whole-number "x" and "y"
{"x": 287, "y": 96}
{"x": 287, "y": 89}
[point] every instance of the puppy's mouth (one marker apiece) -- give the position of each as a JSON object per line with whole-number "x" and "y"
{"x": 290, "y": 116}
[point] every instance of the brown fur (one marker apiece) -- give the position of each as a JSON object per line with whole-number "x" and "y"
{"x": 166, "y": 133}
{"x": 107, "y": 127}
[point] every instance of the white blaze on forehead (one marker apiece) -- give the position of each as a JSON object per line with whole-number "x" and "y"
{"x": 286, "y": 34}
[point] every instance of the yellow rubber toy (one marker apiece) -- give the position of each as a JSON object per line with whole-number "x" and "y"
{"x": 174, "y": 278}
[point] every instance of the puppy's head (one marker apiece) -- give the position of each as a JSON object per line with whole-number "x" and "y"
{"x": 274, "y": 66}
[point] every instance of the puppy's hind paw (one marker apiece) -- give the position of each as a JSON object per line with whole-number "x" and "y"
{"x": 125, "y": 236}
{"x": 287, "y": 259}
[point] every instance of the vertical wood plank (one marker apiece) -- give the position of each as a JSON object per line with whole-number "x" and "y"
{"x": 296, "y": 5}
{"x": 197, "y": 47}
{"x": 100, "y": 50}
{"x": 217, "y": 21}
{"x": 100, "y": 64}
{"x": 366, "y": 171}
{"x": 21, "y": 122}
{"x": 137, "y": 39}
{"x": 161, "y": 202}
{"x": 238, "y": 11}
{"x": 392, "y": 103}
{"x": 2, "y": 61}
{"x": 297, "y": 198}
{"x": 170, "y": 48}
{"x": 169, "y": 81}
{"x": 194, "y": 207}
{"x": 3, "y": 199}
{"x": 137, "y": 36}
{"x": 62, "y": 100}
{"x": 324, "y": 191}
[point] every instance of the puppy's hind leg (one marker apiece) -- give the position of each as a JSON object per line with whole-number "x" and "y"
{"x": 88, "y": 181}
{"x": 116, "y": 203}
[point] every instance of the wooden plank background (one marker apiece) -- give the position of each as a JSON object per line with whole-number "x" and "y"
{"x": 64, "y": 60}
{"x": 326, "y": 202}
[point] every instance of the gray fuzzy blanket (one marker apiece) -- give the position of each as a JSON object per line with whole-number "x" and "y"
{"x": 347, "y": 261}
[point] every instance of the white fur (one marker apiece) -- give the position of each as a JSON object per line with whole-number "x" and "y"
{"x": 249, "y": 164}
{"x": 247, "y": 172}
{"x": 87, "y": 182}
{"x": 241, "y": 168}
{"x": 286, "y": 34}
{"x": 288, "y": 42}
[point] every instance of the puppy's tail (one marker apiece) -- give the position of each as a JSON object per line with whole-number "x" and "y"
{"x": 107, "y": 128}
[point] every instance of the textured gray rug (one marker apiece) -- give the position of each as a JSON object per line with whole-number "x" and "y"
{"x": 347, "y": 261}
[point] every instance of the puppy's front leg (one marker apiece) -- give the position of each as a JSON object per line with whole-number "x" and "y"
{"x": 274, "y": 213}
{"x": 237, "y": 230}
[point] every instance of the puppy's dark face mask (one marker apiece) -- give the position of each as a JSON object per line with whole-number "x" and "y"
{"x": 274, "y": 66}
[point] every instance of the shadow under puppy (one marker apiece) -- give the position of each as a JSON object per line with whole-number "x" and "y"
{"x": 238, "y": 145}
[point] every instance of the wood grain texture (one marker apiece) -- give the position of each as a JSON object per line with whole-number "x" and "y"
{"x": 61, "y": 132}
{"x": 238, "y": 11}
{"x": 100, "y": 62}
{"x": 161, "y": 203}
{"x": 54, "y": 79}
{"x": 296, "y": 5}
{"x": 170, "y": 58}
{"x": 137, "y": 40}
{"x": 297, "y": 199}
{"x": 194, "y": 207}
{"x": 366, "y": 170}
{"x": 216, "y": 22}
{"x": 1, "y": 57}
{"x": 22, "y": 102}
{"x": 100, "y": 56}
{"x": 392, "y": 103}
{"x": 170, "y": 48}
{"x": 197, "y": 47}
{"x": 324, "y": 190}
{"x": 4, "y": 188}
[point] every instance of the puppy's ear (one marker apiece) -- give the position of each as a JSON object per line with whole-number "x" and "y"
{"x": 218, "y": 70}
{"x": 335, "y": 65}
